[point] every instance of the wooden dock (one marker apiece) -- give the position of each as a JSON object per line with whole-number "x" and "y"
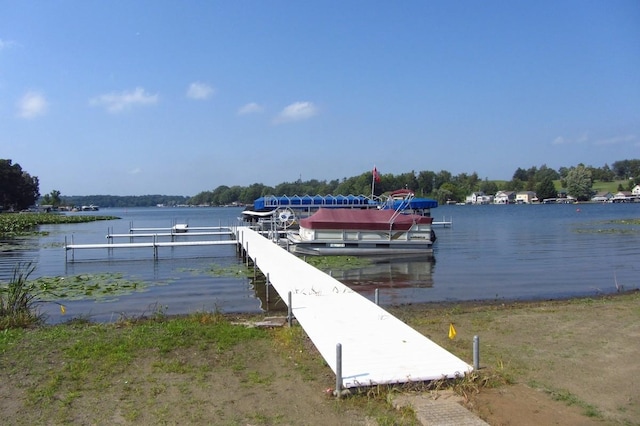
{"x": 376, "y": 347}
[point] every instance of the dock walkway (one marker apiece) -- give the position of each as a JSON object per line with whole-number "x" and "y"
{"x": 377, "y": 348}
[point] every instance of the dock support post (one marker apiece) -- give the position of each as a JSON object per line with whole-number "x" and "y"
{"x": 255, "y": 263}
{"x": 266, "y": 290}
{"x": 65, "y": 249}
{"x": 155, "y": 247}
{"x": 376, "y": 296}
{"x": 73, "y": 251}
{"x": 289, "y": 310}
{"x": 246, "y": 255}
{"x": 338, "y": 370}
{"x": 476, "y": 352}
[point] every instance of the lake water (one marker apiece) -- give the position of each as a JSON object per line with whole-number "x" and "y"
{"x": 492, "y": 252}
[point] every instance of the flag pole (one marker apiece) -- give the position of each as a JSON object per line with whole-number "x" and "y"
{"x": 373, "y": 182}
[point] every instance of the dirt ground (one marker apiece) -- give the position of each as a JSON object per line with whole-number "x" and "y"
{"x": 569, "y": 363}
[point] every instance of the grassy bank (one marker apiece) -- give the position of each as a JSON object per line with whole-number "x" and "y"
{"x": 198, "y": 369}
{"x": 206, "y": 369}
{"x": 14, "y": 224}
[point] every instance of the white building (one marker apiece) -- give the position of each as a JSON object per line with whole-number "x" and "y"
{"x": 504, "y": 197}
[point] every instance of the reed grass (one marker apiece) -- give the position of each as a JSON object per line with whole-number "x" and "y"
{"x": 18, "y": 299}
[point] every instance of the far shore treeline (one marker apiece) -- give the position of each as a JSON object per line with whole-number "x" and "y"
{"x": 442, "y": 186}
{"x": 579, "y": 181}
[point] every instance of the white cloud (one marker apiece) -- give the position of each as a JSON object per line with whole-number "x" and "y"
{"x": 561, "y": 140}
{"x": 297, "y": 111}
{"x": 250, "y": 108}
{"x": 199, "y": 90}
{"x": 5, "y": 44}
{"x": 31, "y": 105}
{"x": 135, "y": 171}
{"x": 616, "y": 140}
{"x": 116, "y": 102}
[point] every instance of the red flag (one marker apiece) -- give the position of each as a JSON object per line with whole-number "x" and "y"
{"x": 376, "y": 176}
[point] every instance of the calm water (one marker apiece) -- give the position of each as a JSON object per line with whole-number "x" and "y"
{"x": 491, "y": 252}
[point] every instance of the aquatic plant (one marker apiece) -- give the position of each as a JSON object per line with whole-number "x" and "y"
{"x": 101, "y": 287}
{"x": 18, "y": 299}
{"x": 14, "y": 224}
{"x": 326, "y": 263}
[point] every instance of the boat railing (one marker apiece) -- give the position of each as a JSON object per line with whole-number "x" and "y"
{"x": 404, "y": 203}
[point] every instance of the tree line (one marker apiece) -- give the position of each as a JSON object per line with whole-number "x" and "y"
{"x": 442, "y": 186}
{"x": 121, "y": 201}
{"x": 19, "y": 190}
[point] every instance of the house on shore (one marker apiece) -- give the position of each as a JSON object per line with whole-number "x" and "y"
{"x": 505, "y": 197}
{"x": 602, "y": 197}
{"x": 526, "y": 197}
{"x": 478, "y": 198}
{"x": 623, "y": 197}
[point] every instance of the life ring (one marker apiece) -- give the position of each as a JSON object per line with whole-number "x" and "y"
{"x": 285, "y": 217}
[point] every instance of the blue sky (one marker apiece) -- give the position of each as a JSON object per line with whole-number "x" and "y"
{"x": 173, "y": 97}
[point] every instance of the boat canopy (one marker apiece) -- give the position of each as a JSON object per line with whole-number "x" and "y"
{"x": 270, "y": 202}
{"x": 362, "y": 220}
{"x": 303, "y": 201}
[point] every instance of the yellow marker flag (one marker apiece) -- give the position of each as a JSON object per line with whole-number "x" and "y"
{"x": 452, "y": 331}
{"x": 63, "y": 310}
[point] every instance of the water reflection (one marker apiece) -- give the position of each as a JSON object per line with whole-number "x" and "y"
{"x": 388, "y": 273}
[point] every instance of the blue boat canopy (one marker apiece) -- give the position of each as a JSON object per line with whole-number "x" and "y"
{"x": 303, "y": 201}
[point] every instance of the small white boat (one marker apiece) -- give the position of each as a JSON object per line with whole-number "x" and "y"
{"x": 180, "y": 228}
{"x": 362, "y": 232}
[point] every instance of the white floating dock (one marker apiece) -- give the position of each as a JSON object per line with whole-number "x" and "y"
{"x": 444, "y": 222}
{"x": 150, "y": 244}
{"x": 377, "y": 348}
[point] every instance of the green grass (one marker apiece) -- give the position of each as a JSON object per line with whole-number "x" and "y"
{"x": 67, "y": 364}
{"x": 570, "y": 399}
{"x": 609, "y": 186}
{"x": 92, "y": 353}
{"x": 599, "y": 186}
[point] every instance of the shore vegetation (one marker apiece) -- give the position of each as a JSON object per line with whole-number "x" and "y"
{"x": 20, "y": 224}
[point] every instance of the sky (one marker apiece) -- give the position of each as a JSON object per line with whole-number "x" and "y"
{"x": 180, "y": 97}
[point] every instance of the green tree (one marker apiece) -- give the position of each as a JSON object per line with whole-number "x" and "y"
{"x": 546, "y": 189}
{"x": 514, "y": 185}
{"x": 426, "y": 182}
{"x": 546, "y": 172}
{"x": 18, "y": 189}
{"x": 53, "y": 198}
{"x": 579, "y": 183}
{"x": 626, "y": 168}
{"x": 488, "y": 187}
{"x": 443, "y": 194}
